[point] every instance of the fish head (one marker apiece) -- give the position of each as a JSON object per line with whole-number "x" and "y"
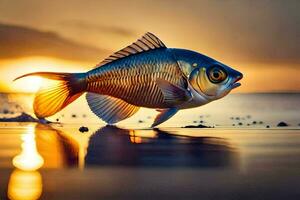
{"x": 215, "y": 80}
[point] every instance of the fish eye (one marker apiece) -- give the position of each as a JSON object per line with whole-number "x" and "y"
{"x": 217, "y": 74}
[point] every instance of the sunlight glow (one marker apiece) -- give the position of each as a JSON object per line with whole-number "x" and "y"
{"x": 25, "y": 185}
{"x": 29, "y": 84}
{"x": 29, "y": 159}
{"x": 134, "y": 138}
{"x": 17, "y": 67}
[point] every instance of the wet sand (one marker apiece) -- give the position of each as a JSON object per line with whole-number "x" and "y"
{"x": 60, "y": 162}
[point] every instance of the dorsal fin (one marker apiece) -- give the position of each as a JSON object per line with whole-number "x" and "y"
{"x": 145, "y": 43}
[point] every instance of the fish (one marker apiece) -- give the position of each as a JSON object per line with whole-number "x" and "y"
{"x": 144, "y": 74}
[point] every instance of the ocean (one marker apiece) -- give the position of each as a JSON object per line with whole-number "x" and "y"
{"x": 243, "y": 110}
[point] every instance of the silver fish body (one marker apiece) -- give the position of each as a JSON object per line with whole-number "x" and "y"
{"x": 133, "y": 78}
{"x": 143, "y": 74}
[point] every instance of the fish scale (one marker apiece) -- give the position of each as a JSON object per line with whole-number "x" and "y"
{"x": 133, "y": 78}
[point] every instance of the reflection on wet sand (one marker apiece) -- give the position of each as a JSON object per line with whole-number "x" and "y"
{"x": 25, "y": 182}
{"x": 46, "y": 147}
{"x": 121, "y": 147}
{"x": 25, "y": 185}
{"x": 42, "y": 146}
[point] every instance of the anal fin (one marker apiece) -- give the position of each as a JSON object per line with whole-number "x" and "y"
{"x": 164, "y": 115}
{"x": 110, "y": 109}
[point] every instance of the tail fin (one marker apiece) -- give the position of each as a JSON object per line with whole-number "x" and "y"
{"x": 52, "y": 99}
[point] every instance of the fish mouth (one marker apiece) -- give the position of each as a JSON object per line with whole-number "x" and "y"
{"x": 236, "y": 84}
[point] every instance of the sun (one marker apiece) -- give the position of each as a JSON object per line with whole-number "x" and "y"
{"x": 17, "y": 67}
{"x": 29, "y": 84}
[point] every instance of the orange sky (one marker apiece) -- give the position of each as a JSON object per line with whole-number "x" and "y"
{"x": 258, "y": 38}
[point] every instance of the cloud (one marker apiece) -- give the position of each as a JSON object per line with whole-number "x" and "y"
{"x": 100, "y": 28}
{"x": 20, "y": 41}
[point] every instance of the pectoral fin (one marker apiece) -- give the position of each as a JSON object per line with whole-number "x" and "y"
{"x": 110, "y": 109}
{"x": 173, "y": 94}
{"x": 164, "y": 115}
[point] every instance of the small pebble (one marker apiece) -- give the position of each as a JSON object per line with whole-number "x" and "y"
{"x": 240, "y": 123}
{"x": 140, "y": 121}
{"x": 74, "y": 116}
{"x": 282, "y": 124}
{"x": 232, "y": 118}
{"x": 267, "y": 126}
{"x": 233, "y": 124}
{"x": 261, "y": 122}
{"x": 57, "y": 119}
{"x": 83, "y": 129}
{"x": 248, "y": 116}
{"x": 201, "y": 121}
{"x": 248, "y": 124}
{"x": 194, "y": 121}
{"x": 254, "y": 122}
{"x": 237, "y": 118}
{"x": 84, "y": 115}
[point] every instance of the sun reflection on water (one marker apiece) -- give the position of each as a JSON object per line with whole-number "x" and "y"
{"x": 26, "y": 182}
{"x": 24, "y": 185}
{"x": 29, "y": 159}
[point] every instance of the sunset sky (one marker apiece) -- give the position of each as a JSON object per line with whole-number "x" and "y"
{"x": 259, "y": 38}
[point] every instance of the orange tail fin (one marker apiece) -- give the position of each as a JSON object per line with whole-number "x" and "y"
{"x": 52, "y": 99}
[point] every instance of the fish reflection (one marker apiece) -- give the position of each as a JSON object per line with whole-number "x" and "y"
{"x": 113, "y": 146}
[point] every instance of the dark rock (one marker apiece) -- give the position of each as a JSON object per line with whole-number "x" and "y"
{"x": 83, "y": 129}
{"x": 240, "y": 123}
{"x": 44, "y": 121}
{"x": 73, "y": 116}
{"x": 282, "y": 124}
{"x": 197, "y": 126}
{"x": 57, "y": 119}
{"x": 5, "y": 111}
{"x": 267, "y": 126}
{"x": 140, "y": 121}
{"x": 201, "y": 121}
{"x": 233, "y": 124}
{"x": 261, "y": 122}
{"x": 195, "y": 122}
{"x": 248, "y": 124}
{"x": 24, "y": 117}
{"x": 237, "y": 118}
{"x": 254, "y": 122}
